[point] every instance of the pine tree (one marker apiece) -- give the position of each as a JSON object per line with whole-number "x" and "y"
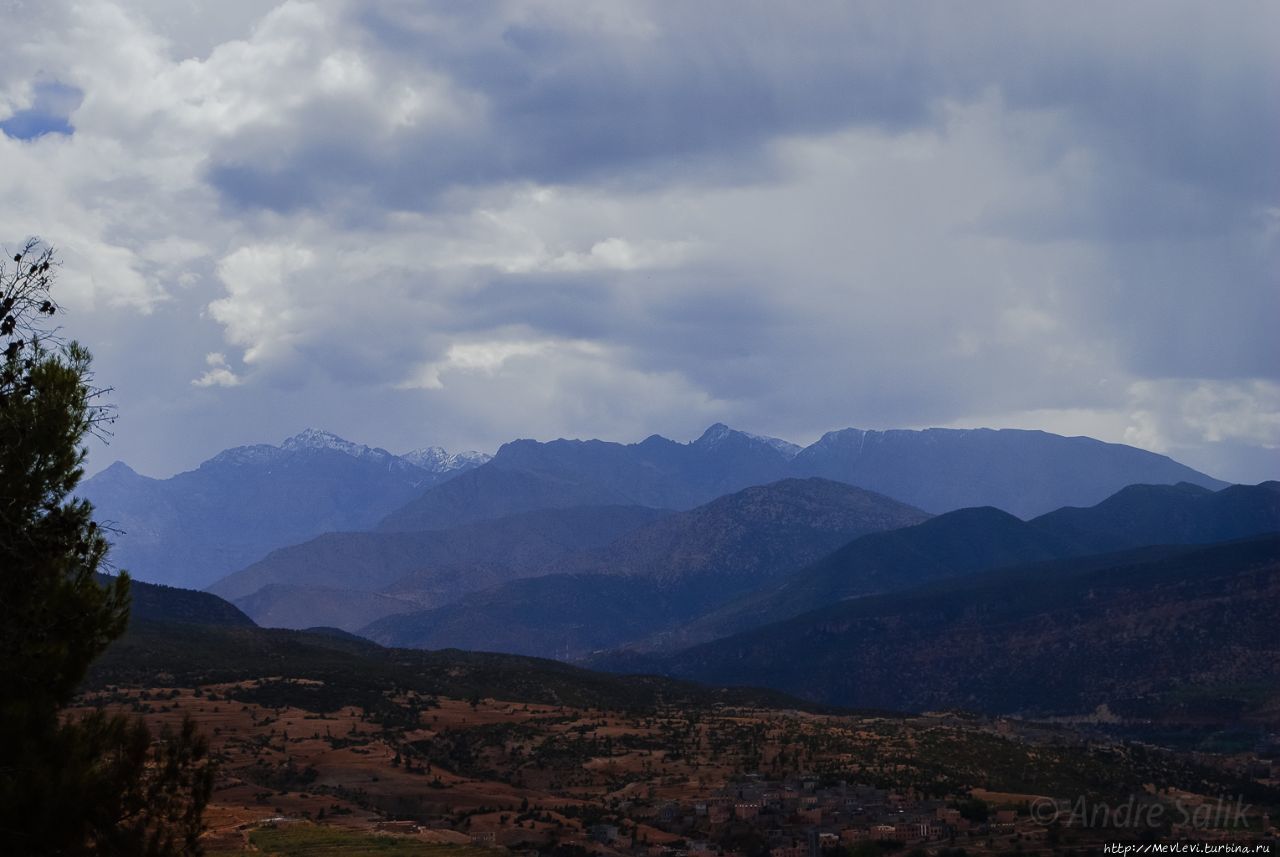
{"x": 98, "y": 784}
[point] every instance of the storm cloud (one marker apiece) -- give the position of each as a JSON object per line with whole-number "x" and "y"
{"x": 457, "y": 224}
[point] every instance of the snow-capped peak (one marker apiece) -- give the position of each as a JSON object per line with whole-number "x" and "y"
{"x": 318, "y": 439}
{"x": 716, "y": 434}
{"x": 438, "y": 460}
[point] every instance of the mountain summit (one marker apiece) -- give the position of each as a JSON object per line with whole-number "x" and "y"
{"x": 195, "y": 527}
{"x": 720, "y": 434}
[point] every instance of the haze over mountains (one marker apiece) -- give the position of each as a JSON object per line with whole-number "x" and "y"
{"x": 691, "y": 558}
{"x": 1023, "y": 472}
{"x": 196, "y": 527}
{"x": 655, "y": 576}
{"x": 568, "y": 616}
{"x": 815, "y": 586}
{"x": 352, "y": 576}
{"x": 971, "y": 540}
{"x": 1165, "y": 634}
{"x": 1186, "y": 632}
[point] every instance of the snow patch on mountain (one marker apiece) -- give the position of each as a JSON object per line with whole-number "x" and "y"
{"x": 257, "y": 453}
{"x": 438, "y": 460}
{"x": 317, "y": 439}
{"x": 786, "y": 447}
{"x": 718, "y": 433}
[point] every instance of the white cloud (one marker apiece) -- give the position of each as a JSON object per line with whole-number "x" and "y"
{"x": 219, "y": 373}
{"x": 490, "y": 357}
{"x": 263, "y": 309}
{"x": 1169, "y": 414}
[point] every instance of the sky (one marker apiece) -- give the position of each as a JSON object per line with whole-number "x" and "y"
{"x": 456, "y": 224}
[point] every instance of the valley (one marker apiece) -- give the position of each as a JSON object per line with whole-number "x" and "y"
{"x": 666, "y": 650}
{"x": 583, "y": 764}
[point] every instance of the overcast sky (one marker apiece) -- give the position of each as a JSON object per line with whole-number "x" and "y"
{"x": 461, "y": 223}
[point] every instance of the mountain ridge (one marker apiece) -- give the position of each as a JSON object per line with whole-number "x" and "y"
{"x": 427, "y": 568}
{"x": 193, "y": 527}
{"x": 1026, "y": 473}
{"x": 1120, "y": 629}
{"x": 657, "y": 574}
{"x": 970, "y": 540}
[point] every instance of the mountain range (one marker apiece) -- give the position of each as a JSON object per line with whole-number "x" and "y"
{"x": 1025, "y": 473}
{"x": 658, "y": 575}
{"x": 195, "y": 527}
{"x": 322, "y": 531}
{"x": 973, "y": 609}
{"x": 971, "y": 540}
{"x": 676, "y": 604}
{"x": 1172, "y": 631}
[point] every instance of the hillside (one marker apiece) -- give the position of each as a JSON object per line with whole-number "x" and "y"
{"x": 970, "y": 540}
{"x": 280, "y": 605}
{"x": 657, "y": 575}
{"x": 355, "y": 671}
{"x": 950, "y": 545}
{"x": 1171, "y": 630}
{"x": 192, "y": 528}
{"x": 1169, "y": 514}
{"x": 411, "y": 570}
{"x": 565, "y": 616}
{"x": 152, "y": 602}
{"x": 743, "y": 540}
{"x": 341, "y": 737}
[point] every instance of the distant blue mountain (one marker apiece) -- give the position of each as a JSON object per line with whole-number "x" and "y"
{"x": 656, "y": 472}
{"x": 1025, "y": 473}
{"x": 199, "y": 526}
{"x": 193, "y": 528}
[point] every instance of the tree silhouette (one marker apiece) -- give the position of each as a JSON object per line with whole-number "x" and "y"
{"x": 98, "y": 784}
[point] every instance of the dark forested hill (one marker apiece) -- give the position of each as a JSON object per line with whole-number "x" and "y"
{"x": 152, "y": 602}
{"x": 1169, "y": 514}
{"x": 350, "y": 671}
{"x": 970, "y": 540}
{"x": 1184, "y": 628}
{"x": 950, "y": 545}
